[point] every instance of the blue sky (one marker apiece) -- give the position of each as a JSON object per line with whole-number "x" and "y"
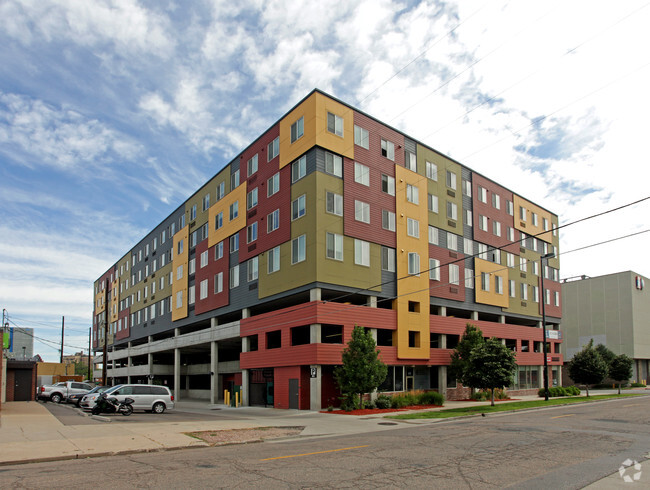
{"x": 113, "y": 112}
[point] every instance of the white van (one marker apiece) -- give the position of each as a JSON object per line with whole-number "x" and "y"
{"x": 147, "y": 397}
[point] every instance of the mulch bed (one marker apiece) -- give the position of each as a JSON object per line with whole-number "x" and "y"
{"x": 506, "y": 400}
{"x": 244, "y": 436}
{"x": 374, "y": 411}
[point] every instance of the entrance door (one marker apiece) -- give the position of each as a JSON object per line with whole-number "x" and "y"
{"x": 293, "y": 394}
{"x": 23, "y": 385}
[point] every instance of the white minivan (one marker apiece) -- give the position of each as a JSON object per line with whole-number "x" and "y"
{"x": 146, "y": 397}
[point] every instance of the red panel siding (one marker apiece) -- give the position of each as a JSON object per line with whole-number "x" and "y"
{"x": 213, "y": 301}
{"x": 281, "y": 378}
{"x": 442, "y": 288}
{"x": 486, "y": 209}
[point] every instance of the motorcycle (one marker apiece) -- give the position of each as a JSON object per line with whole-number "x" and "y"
{"x": 106, "y": 404}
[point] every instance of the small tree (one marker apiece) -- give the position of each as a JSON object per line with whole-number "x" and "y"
{"x": 620, "y": 369}
{"x": 490, "y": 365}
{"x": 588, "y": 367}
{"x": 607, "y": 355}
{"x": 362, "y": 371}
{"x": 472, "y": 337}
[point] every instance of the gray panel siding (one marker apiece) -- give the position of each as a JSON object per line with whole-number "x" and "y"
{"x": 389, "y": 283}
{"x": 409, "y": 145}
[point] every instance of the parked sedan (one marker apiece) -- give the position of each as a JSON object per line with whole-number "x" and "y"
{"x": 87, "y": 400}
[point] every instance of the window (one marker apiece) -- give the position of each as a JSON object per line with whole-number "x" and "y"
{"x": 412, "y": 194}
{"x": 334, "y": 203}
{"x": 468, "y": 218}
{"x": 468, "y": 246}
{"x": 467, "y": 188}
{"x": 431, "y": 170}
{"x": 273, "y": 221}
{"x": 434, "y": 269}
{"x": 204, "y": 259}
{"x": 362, "y": 211}
{"x": 234, "y": 243}
{"x": 535, "y": 222}
{"x": 218, "y": 283}
{"x": 298, "y": 207}
{"x": 485, "y": 281}
{"x": 410, "y": 161}
{"x": 556, "y": 298}
{"x": 234, "y": 179}
{"x": 335, "y": 124}
{"x": 361, "y": 137}
{"x": 251, "y": 199}
{"x": 234, "y": 210}
{"x": 299, "y": 169}
{"x": 413, "y": 227}
{"x": 511, "y": 288}
{"x": 523, "y": 264}
{"x": 361, "y": 174}
{"x": 522, "y": 213}
{"x": 333, "y": 164}
{"x": 535, "y": 294}
{"x": 524, "y": 291}
{"x": 179, "y": 302}
{"x": 179, "y": 272}
{"x": 388, "y": 184}
{"x": 206, "y": 202}
{"x": 482, "y": 194}
{"x": 496, "y": 201}
{"x": 218, "y": 250}
{"x": 469, "y": 278}
{"x": 451, "y": 179}
{"x": 298, "y": 246}
{"x": 220, "y": 192}
{"x": 253, "y": 271}
{"x": 535, "y": 267}
{"x": 251, "y": 232}
{"x": 510, "y": 259}
{"x": 218, "y": 221}
{"x": 387, "y": 149}
{"x": 203, "y": 289}
{"x": 273, "y": 185}
{"x": 387, "y": 220}
{"x": 434, "y": 237}
{"x": 190, "y": 296}
{"x": 191, "y": 267}
{"x": 234, "y": 277}
{"x": 523, "y": 239}
{"x": 510, "y": 209}
{"x": 297, "y": 129}
{"x": 496, "y": 228}
{"x": 498, "y": 284}
{"x": 334, "y": 246}
{"x": 482, "y": 251}
{"x": 204, "y": 231}
{"x": 547, "y": 296}
{"x": 361, "y": 252}
{"x": 252, "y": 165}
{"x": 192, "y": 240}
{"x": 452, "y": 210}
{"x": 482, "y": 222}
{"x": 433, "y": 203}
{"x": 454, "y": 274}
{"x": 414, "y": 264}
{"x": 273, "y": 149}
{"x": 163, "y": 237}
{"x": 388, "y": 259}
{"x": 273, "y": 259}
{"x": 511, "y": 234}
{"x": 192, "y": 214}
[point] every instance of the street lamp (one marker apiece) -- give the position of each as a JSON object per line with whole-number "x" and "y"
{"x": 543, "y": 298}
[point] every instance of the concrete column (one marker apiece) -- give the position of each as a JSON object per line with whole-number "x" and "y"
{"x": 442, "y": 379}
{"x": 443, "y": 341}
{"x": 502, "y": 318}
{"x": 177, "y": 373}
{"x": 150, "y": 367}
{"x": 177, "y": 332}
{"x": 150, "y": 339}
{"x": 314, "y": 294}
{"x": 315, "y": 333}
{"x": 214, "y": 372}
{"x": 245, "y": 313}
{"x": 214, "y": 322}
{"x": 442, "y": 310}
{"x": 372, "y": 301}
{"x": 475, "y": 315}
{"x": 244, "y": 387}
{"x": 373, "y": 332}
{"x": 315, "y": 389}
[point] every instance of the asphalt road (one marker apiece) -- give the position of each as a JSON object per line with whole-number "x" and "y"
{"x": 566, "y": 447}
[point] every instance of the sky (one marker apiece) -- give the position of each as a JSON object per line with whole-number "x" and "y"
{"x": 112, "y": 113}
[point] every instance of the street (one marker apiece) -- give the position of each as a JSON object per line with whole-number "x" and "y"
{"x": 567, "y": 447}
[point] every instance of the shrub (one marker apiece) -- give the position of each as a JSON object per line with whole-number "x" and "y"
{"x": 431, "y": 398}
{"x": 556, "y": 391}
{"x": 383, "y": 401}
{"x": 485, "y": 395}
{"x": 349, "y": 403}
{"x": 369, "y": 404}
{"x": 398, "y": 401}
{"x": 637, "y": 385}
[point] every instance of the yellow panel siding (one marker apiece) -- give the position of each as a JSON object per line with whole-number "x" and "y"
{"x": 180, "y": 285}
{"x": 527, "y": 225}
{"x": 291, "y": 151}
{"x": 491, "y": 296}
{"x": 342, "y": 145}
{"x": 412, "y": 291}
{"x": 229, "y": 227}
{"x": 114, "y": 299}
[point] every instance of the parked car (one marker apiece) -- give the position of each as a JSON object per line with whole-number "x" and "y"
{"x": 76, "y": 398}
{"x": 60, "y": 391}
{"x": 153, "y": 398}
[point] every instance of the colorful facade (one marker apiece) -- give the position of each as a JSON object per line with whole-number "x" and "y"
{"x": 328, "y": 220}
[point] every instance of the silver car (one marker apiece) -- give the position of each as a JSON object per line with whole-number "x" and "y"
{"x": 153, "y": 398}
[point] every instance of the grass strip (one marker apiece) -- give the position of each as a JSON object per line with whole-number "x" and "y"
{"x": 504, "y": 407}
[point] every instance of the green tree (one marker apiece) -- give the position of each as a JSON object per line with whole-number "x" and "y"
{"x": 607, "y": 355}
{"x": 362, "y": 371}
{"x": 620, "y": 369}
{"x": 490, "y": 365}
{"x": 472, "y": 337}
{"x": 588, "y": 367}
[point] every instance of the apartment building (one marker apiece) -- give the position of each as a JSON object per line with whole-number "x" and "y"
{"x": 328, "y": 220}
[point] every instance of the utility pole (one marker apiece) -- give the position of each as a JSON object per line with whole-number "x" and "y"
{"x": 62, "y": 336}
{"x": 105, "y": 350}
{"x": 90, "y": 373}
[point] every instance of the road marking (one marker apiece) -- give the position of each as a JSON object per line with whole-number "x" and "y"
{"x": 633, "y": 405}
{"x": 560, "y": 416}
{"x": 311, "y": 454}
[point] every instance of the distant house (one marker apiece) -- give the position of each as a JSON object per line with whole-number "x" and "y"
{"x": 613, "y": 310}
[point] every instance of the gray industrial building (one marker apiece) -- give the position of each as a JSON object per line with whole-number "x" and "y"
{"x": 19, "y": 343}
{"x": 613, "y": 310}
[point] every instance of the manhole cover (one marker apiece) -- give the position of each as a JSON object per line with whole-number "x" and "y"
{"x": 387, "y": 423}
